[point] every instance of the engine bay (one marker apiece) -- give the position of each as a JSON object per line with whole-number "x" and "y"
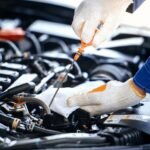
{"x": 37, "y": 45}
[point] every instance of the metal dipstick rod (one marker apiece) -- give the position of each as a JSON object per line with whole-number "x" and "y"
{"x": 76, "y": 57}
{"x": 60, "y": 84}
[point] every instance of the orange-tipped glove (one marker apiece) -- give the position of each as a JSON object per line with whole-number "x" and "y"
{"x": 94, "y": 13}
{"x": 111, "y": 97}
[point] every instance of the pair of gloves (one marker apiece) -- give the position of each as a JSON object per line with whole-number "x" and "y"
{"x": 99, "y": 18}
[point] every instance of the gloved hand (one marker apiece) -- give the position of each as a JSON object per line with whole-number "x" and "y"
{"x": 59, "y": 105}
{"x": 93, "y": 13}
{"x": 112, "y": 97}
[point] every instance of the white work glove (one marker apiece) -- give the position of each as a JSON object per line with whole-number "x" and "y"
{"x": 59, "y": 104}
{"x": 114, "y": 96}
{"x": 94, "y": 13}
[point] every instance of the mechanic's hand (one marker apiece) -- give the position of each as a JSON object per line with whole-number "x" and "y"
{"x": 114, "y": 96}
{"x": 105, "y": 14}
{"x": 59, "y": 104}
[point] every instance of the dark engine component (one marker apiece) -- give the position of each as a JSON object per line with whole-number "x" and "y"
{"x": 122, "y": 136}
{"x": 109, "y": 72}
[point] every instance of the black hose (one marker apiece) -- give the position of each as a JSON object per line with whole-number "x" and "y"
{"x": 35, "y": 42}
{"x": 78, "y": 68}
{"x": 34, "y": 100}
{"x": 61, "y": 43}
{"x": 17, "y": 89}
{"x": 12, "y": 46}
{"x": 45, "y": 131}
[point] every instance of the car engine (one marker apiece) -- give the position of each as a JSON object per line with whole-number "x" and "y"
{"x": 36, "y": 46}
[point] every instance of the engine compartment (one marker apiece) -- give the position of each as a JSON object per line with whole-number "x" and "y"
{"x": 30, "y": 66}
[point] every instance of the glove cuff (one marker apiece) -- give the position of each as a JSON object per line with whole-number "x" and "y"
{"x": 142, "y": 77}
{"x": 139, "y": 92}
